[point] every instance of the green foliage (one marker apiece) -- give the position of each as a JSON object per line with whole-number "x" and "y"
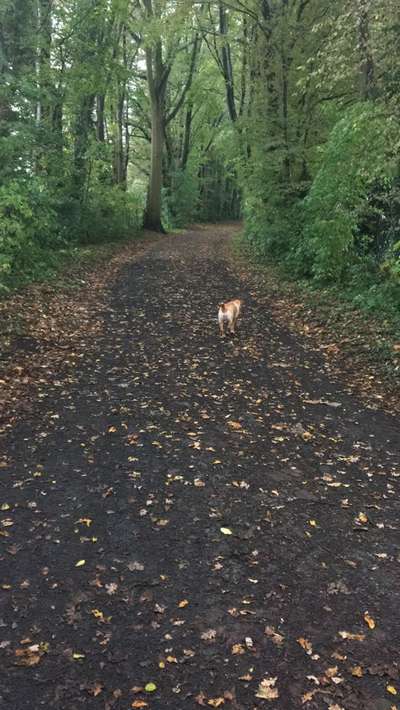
{"x": 110, "y": 214}
{"x": 181, "y": 199}
{"x": 28, "y": 228}
{"x": 356, "y": 156}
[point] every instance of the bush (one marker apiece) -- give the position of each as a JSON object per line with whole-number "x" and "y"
{"x": 28, "y": 228}
{"x": 355, "y": 158}
{"x": 109, "y": 214}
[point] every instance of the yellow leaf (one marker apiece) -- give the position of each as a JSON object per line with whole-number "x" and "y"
{"x": 237, "y": 649}
{"x": 357, "y": 671}
{"x": 216, "y": 702}
{"x": 97, "y": 614}
{"x": 78, "y": 656}
{"x": 313, "y": 523}
{"x": 362, "y": 518}
{"x": 139, "y": 704}
{"x": 171, "y": 659}
{"x": 150, "y": 687}
{"x": 391, "y": 689}
{"x": 304, "y": 643}
{"x": 369, "y": 620}
{"x": 80, "y": 563}
{"x": 350, "y": 636}
{"x": 183, "y": 603}
{"x": 235, "y": 425}
{"x": 226, "y": 531}
{"x": 85, "y": 521}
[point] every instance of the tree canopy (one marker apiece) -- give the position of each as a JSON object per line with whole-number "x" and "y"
{"x": 115, "y": 113}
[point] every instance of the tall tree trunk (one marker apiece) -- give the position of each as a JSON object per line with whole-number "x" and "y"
{"x": 83, "y": 124}
{"x": 157, "y": 76}
{"x": 186, "y": 137}
{"x": 226, "y": 62}
{"x": 366, "y": 60}
{"x": 153, "y": 208}
{"x": 118, "y": 141}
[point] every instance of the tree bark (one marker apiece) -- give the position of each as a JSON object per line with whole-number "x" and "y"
{"x": 153, "y": 208}
{"x": 366, "y": 60}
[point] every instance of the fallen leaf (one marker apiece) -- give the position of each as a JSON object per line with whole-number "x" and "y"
{"x": 85, "y": 521}
{"x": 331, "y": 672}
{"x": 391, "y": 689}
{"x": 235, "y": 425}
{"x": 150, "y": 687}
{"x": 111, "y": 588}
{"x": 266, "y": 689}
{"x": 277, "y": 639}
{"x": 307, "y": 645}
{"x": 357, "y": 671}
{"x": 135, "y": 566}
{"x": 209, "y": 635}
{"x": 237, "y": 649}
{"x": 216, "y": 702}
{"x": 350, "y": 636}
{"x": 139, "y": 704}
{"x": 369, "y": 620}
{"x": 226, "y": 531}
{"x": 80, "y": 563}
{"x": 183, "y": 603}
{"x": 95, "y": 689}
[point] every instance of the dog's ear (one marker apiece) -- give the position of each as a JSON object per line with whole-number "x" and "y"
{"x": 221, "y": 306}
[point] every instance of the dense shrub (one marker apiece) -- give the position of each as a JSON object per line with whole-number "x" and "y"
{"x": 28, "y": 228}
{"x": 355, "y": 159}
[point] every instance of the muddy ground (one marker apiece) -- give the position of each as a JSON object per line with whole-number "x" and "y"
{"x": 189, "y": 520}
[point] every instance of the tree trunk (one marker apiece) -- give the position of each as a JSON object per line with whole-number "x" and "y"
{"x": 100, "y": 126}
{"x": 82, "y": 127}
{"x": 186, "y": 137}
{"x": 366, "y": 60}
{"x": 157, "y": 76}
{"x": 152, "y": 218}
{"x": 118, "y": 146}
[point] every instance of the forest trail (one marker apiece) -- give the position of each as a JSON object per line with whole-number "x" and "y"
{"x": 218, "y": 518}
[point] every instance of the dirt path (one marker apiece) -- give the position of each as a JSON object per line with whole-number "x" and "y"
{"x": 218, "y": 518}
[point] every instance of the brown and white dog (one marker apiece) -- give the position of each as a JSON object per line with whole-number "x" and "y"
{"x": 228, "y": 313}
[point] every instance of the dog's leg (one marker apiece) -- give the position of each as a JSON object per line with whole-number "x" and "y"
{"x": 221, "y": 326}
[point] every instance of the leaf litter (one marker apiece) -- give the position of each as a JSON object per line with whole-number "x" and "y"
{"x": 140, "y": 451}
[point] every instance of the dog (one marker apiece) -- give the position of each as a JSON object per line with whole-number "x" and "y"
{"x": 228, "y": 314}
